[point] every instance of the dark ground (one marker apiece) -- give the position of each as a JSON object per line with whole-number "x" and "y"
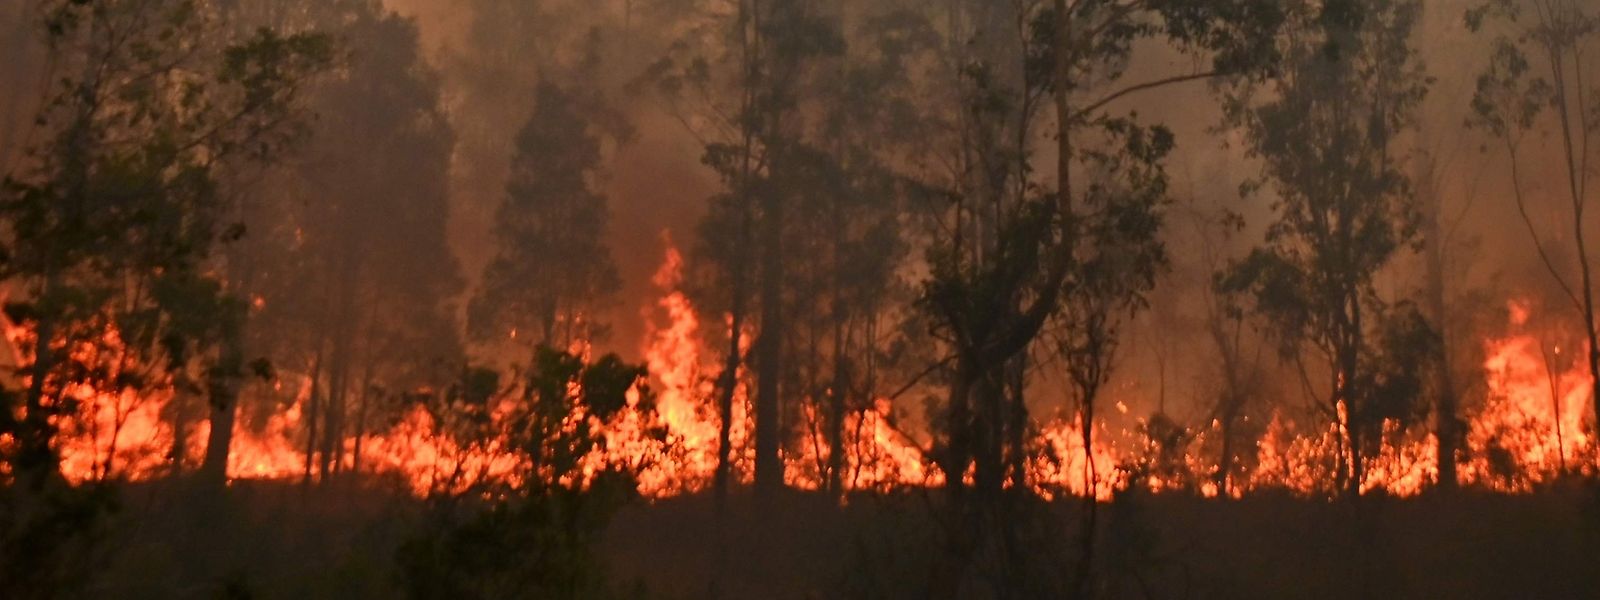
{"x": 1467, "y": 545}
{"x": 278, "y": 540}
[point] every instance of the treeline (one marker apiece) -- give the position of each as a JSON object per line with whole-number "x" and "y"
{"x": 248, "y": 206}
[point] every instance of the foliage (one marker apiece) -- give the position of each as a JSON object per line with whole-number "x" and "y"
{"x": 348, "y": 265}
{"x": 1536, "y": 81}
{"x": 539, "y": 546}
{"x": 113, "y": 223}
{"x": 1324, "y": 129}
{"x": 535, "y": 539}
{"x": 552, "y": 273}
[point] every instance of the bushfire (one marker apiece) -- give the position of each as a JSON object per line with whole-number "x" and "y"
{"x": 1531, "y": 428}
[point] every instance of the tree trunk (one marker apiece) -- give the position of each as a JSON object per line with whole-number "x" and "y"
{"x": 181, "y": 406}
{"x": 1225, "y": 460}
{"x": 1232, "y": 400}
{"x": 222, "y": 390}
{"x": 313, "y": 406}
{"x": 988, "y": 435}
{"x": 729, "y": 380}
{"x": 769, "y": 350}
{"x": 728, "y": 384}
{"x": 224, "y": 408}
{"x": 1090, "y": 519}
{"x": 956, "y": 455}
{"x": 1083, "y": 580}
{"x": 1577, "y": 169}
{"x": 1346, "y": 395}
{"x": 37, "y": 459}
{"x": 769, "y": 362}
{"x": 336, "y": 402}
{"x": 363, "y": 399}
{"x": 1017, "y": 429}
{"x": 1446, "y": 425}
{"x": 837, "y": 402}
{"x": 1589, "y": 321}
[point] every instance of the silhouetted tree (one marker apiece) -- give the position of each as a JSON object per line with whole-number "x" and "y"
{"x": 1536, "y": 78}
{"x": 116, "y": 215}
{"x": 350, "y": 274}
{"x": 1325, "y": 129}
{"x": 1007, "y": 255}
{"x": 534, "y": 537}
{"x": 113, "y": 220}
{"x": 757, "y": 144}
{"x": 553, "y": 272}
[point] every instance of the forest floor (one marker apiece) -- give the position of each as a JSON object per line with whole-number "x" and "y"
{"x": 279, "y": 540}
{"x": 1462, "y": 545}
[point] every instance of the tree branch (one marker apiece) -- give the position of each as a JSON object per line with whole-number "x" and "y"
{"x": 1148, "y": 85}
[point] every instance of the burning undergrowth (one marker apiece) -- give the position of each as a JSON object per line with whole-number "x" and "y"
{"x": 572, "y": 417}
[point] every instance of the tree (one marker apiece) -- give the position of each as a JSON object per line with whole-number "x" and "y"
{"x": 1449, "y": 430}
{"x": 1233, "y": 382}
{"x": 117, "y": 214}
{"x": 758, "y": 148}
{"x": 1326, "y": 138}
{"x": 726, "y": 233}
{"x": 850, "y": 213}
{"x": 553, "y": 272}
{"x": 1536, "y": 72}
{"x": 534, "y": 538}
{"x": 113, "y": 221}
{"x": 1009, "y": 256}
{"x": 494, "y": 71}
{"x": 350, "y": 274}
{"x": 788, "y": 34}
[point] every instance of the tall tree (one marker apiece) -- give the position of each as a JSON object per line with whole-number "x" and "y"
{"x": 757, "y": 146}
{"x": 350, "y": 272}
{"x": 1327, "y": 138}
{"x": 115, "y": 216}
{"x": 790, "y": 35}
{"x": 553, "y": 272}
{"x": 1536, "y": 79}
{"x": 846, "y": 213}
{"x": 1449, "y": 430}
{"x": 112, "y": 222}
{"x": 1009, "y": 255}
{"x": 724, "y": 275}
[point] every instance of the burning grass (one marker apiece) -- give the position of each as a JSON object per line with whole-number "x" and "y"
{"x": 1531, "y": 429}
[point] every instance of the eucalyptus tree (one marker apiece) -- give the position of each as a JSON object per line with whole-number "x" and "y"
{"x": 498, "y": 67}
{"x": 741, "y": 86}
{"x": 1536, "y": 81}
{"x": 112, "y": 220}
{"x": 114, "y": 217}
{"x": 552, "y": 273}
{"x": 1327, "y": 130}
{"x": 351, "y": 275}
{"x": 1012, "y": 248}
{"x": 1011, "y": 257}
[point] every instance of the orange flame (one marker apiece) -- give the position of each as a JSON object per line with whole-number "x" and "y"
{"x": 1531, "y": 428}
